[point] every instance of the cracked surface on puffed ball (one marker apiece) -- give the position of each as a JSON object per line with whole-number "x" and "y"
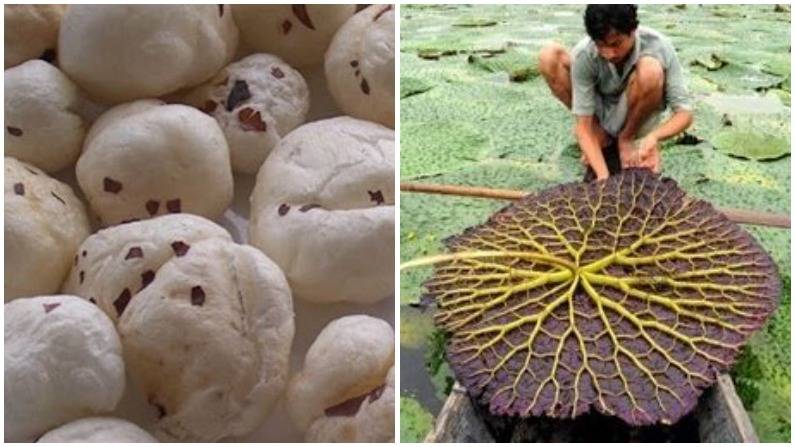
{"x": 208, "y": 341}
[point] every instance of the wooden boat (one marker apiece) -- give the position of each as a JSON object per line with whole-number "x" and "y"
{"x": 719, "y": 417}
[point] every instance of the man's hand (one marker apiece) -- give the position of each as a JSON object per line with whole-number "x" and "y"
{"x": 649, "y": 154}
{"x": 588, "y": 139}
{"x": 627, "y": 153}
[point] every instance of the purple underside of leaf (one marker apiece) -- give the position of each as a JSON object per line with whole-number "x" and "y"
{"x": 625, "y": 296}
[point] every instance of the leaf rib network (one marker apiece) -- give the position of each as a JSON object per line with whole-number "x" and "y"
{"x": 626, "y": 296}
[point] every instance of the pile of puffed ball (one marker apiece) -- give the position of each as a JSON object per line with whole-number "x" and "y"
{"x": 156, "y": 109}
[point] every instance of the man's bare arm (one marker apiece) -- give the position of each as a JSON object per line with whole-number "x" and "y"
{"x": 676, "y": 124}
{"x": 590, "y": 147}
{"x": 649, "y": 153}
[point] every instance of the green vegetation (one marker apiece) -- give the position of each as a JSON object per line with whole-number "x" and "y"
{"x": 415, "y": 421}
{"x": 439, "y": 370}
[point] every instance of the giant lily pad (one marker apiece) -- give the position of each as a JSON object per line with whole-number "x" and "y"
{"x": 751, "y": 145}
{"x": 440, "y": 147}
{"x": 520, "y": 66}
{"x": 626, "y": 296}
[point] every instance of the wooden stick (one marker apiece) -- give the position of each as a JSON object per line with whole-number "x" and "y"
{"x": 736, "y": 215}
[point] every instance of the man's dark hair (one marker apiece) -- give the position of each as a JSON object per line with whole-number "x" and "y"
{"x": 600, "y": 19}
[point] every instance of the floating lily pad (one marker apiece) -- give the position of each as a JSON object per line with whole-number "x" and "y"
{"x": 434, "y": 54}
{"x": 746, "y": 104}
{"x": 520, "y": 66}
{"x": 410, "y": 86}
{"x": 751, "y": 145}
{"x": 432, "y": 148}
{"x": 475, "y": 22}
{"x": 777, "y": 64}
{"x": 713, "y": 62}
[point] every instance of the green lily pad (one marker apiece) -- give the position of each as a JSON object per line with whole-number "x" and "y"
{"x": 432, "y": 148}
{"x": 520, "y": 66}
{"x": 713, "y": 62}
{"x": 410, "y": 86}
{"x": 751, "y": 145}
{"x": 474, "y": 22}
{"x": 434, "y": 54}
{"x": 778, "y": 64}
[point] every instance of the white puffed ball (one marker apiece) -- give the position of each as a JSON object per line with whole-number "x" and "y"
{"x": 372, "y": 421}
{"x": 144, "y": 159}
{"x": 44, "y": 224}
{"x": 347, "y": 364}
{"x": 116, "y": 263}
{"x": 256, "y": 101}
{"x": 31, "y": 31}
{"x": 360, "y": 65}
{"x": 42, "y": 124}
{"x": 299, "y": 34}
{"x": 208, "y": 341}
{"x": 98, "y": 429}
{"x": 63, "y": 361}
{"x": 121, "y": 53}
{"x": 323, "y": 209}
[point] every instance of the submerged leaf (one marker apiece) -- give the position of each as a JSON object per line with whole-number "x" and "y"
{"x": 625, "y": 296}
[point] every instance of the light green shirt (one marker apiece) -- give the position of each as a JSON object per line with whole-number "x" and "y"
{"x": 592, "y": 75}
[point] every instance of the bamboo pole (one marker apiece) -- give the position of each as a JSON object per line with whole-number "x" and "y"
{"x": 736, "y": 215}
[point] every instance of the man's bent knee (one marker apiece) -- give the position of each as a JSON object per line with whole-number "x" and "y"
{"x": 551, "y": 56}
{"x": 649, "y": 73}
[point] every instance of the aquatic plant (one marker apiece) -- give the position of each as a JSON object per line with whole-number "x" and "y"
{"x": 626, "y": 296}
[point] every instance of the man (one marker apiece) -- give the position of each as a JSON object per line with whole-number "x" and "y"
{"x": 618, "y": 82}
